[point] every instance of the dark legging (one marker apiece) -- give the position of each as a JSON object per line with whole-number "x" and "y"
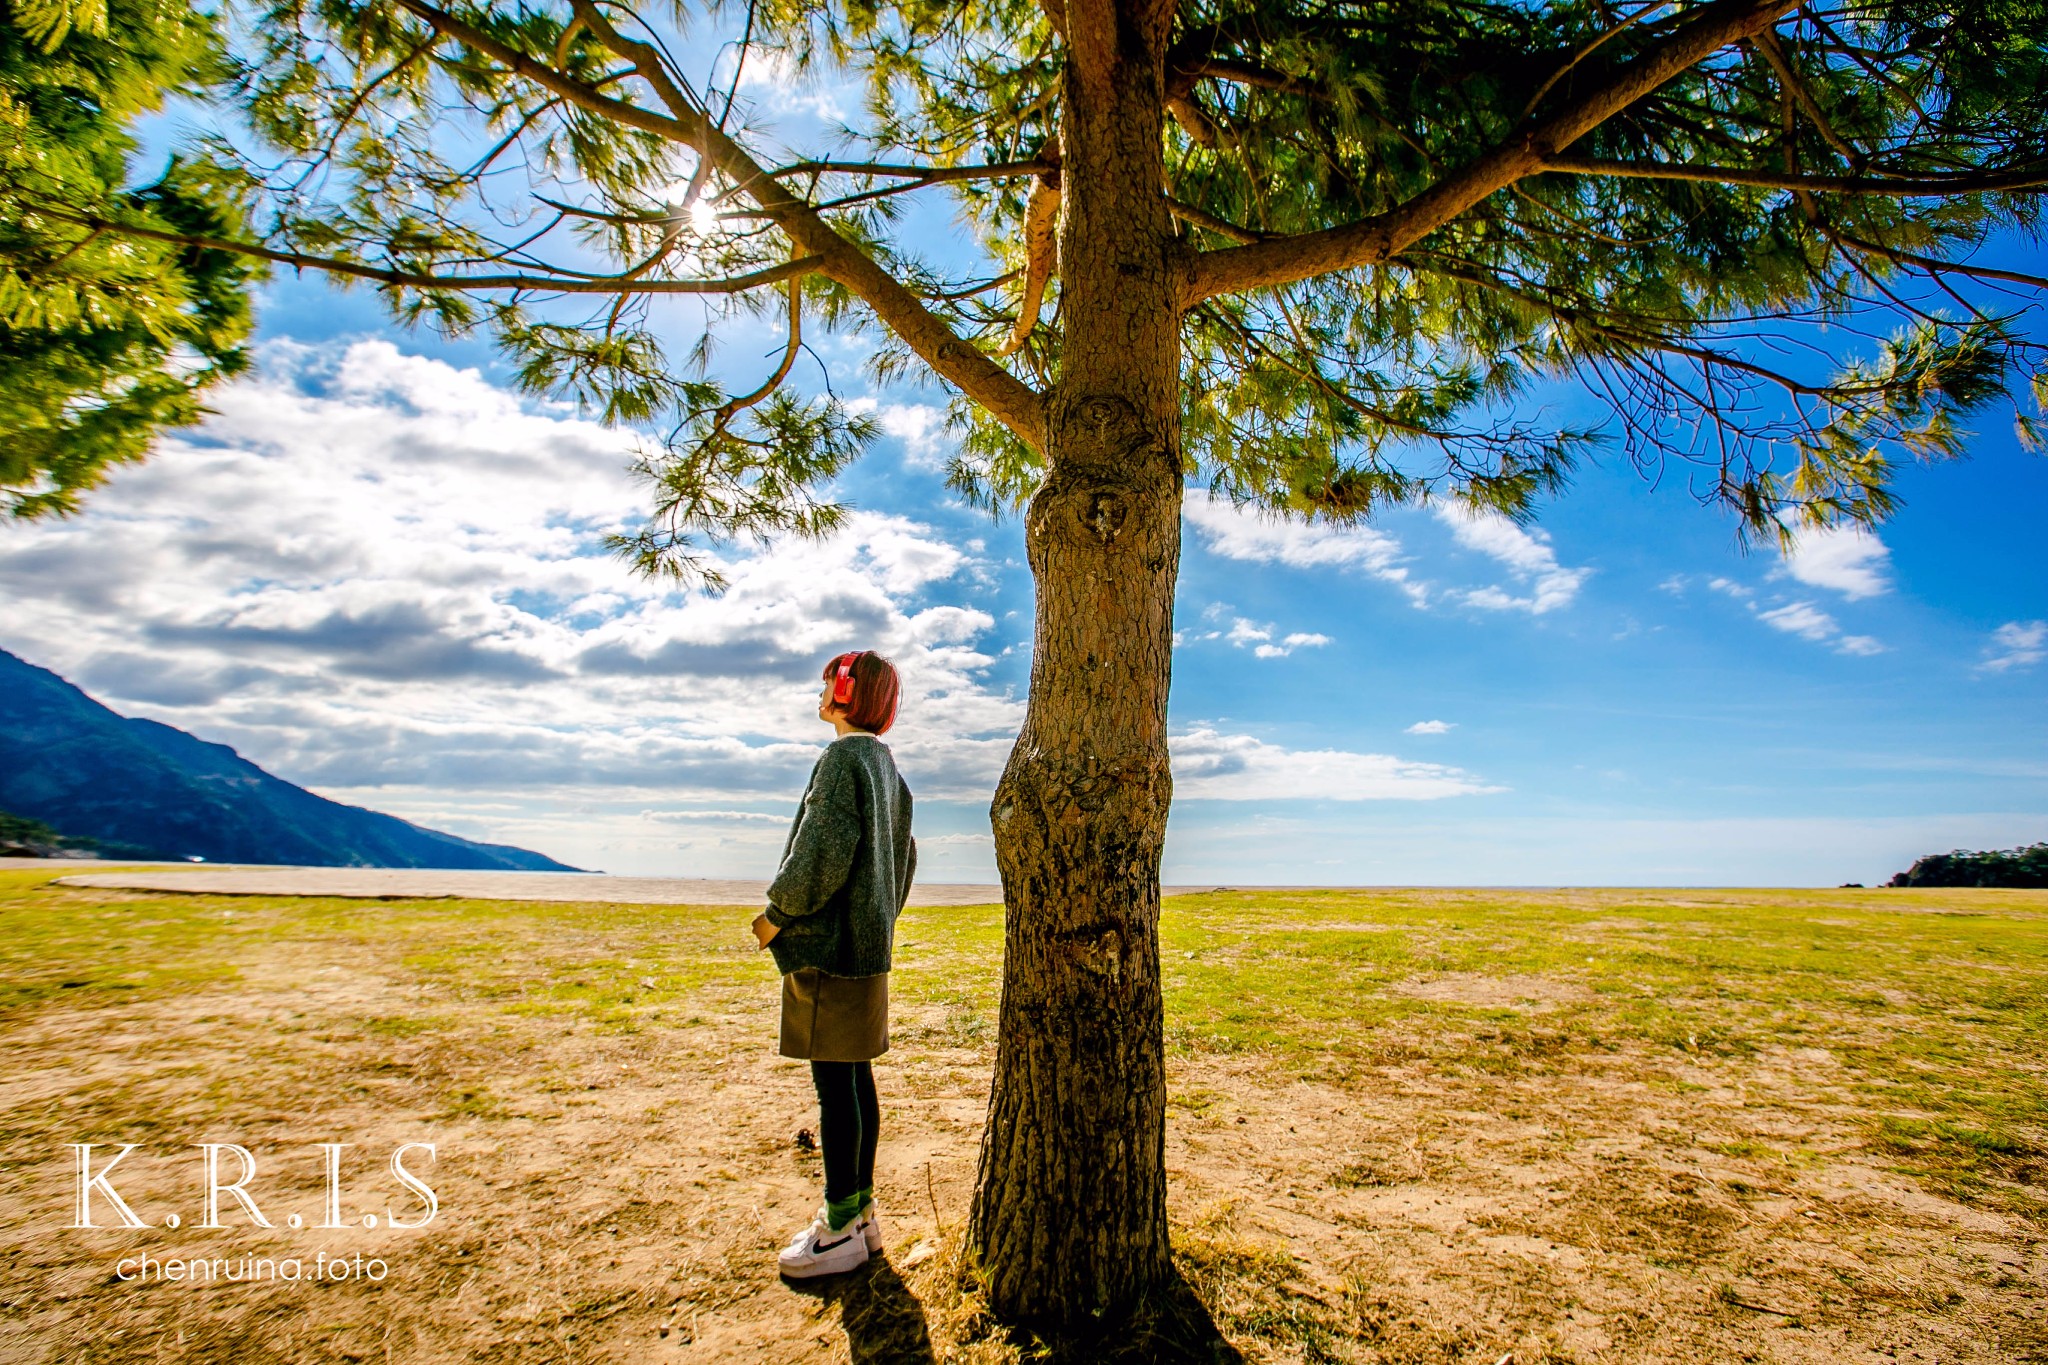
{"x": 849, "y": 1121}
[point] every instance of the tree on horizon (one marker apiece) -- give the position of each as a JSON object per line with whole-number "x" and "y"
{"x": 1305, "y": 254}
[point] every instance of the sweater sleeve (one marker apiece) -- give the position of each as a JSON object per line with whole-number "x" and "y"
{"x": 821, "y": 846}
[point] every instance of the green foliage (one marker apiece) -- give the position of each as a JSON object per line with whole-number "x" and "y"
{"x": 725, "y": 484}
{"x": 1691, "y": 310}
{"x": 2018, "y": 867}
{"x": 49, "y": 22}
{"x": 21, "y": 837}
{"x": 503, "y": 165}
{"x": 427, "y": 158}
{"x": 106, "y": 338}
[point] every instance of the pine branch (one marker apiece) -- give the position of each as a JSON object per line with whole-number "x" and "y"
{"x": 577, "y": 92}
{"x": 1935, "y": 265}
{"x": 1241, "y": 73}
{"x": 1283, "y": 260}
{"x": 1571, "y": 63}
{"x": 911, "y": 177}
{"x": 1056, "y": 15}
{"x": 1774, "y": 53}
{"x": 355, "y": 106}
{"x": 1194, "y": 120}
{"x": 622, "y": 283}
{"x": 1908, "y": 185}
{"x": 1222, "y": 227}
{"x": 970, "y": 290}
{"x": 1007, "y": 170}
{"x": 1012, "y": 402}
{"x": 1574, "y": 315}
{"x": 732, "y": 407}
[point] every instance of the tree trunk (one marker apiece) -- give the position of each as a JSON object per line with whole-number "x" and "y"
{"x": 1069, "y": 1217}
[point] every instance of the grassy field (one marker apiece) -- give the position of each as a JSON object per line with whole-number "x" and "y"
{"x": 1405, "y": 1126}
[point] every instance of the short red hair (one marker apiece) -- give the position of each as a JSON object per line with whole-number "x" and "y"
{"x": 873, "y": 707}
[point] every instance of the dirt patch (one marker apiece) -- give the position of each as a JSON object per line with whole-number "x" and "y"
{"x": 1419, "y": 1217}
{"x": 1531, "y": 994}
{"x": 617, "y": 1158}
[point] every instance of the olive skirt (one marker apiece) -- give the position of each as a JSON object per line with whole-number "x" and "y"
{"x": 828, "y": 1018}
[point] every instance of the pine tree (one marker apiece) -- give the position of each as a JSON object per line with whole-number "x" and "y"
{"x": 1314, "y": 256}
{"x": 106, "y": 338}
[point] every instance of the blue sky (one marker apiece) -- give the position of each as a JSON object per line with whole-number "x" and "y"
{"x": 376, "y": 572}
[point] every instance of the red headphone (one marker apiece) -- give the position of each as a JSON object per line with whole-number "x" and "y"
{"x": 842, "y": 681}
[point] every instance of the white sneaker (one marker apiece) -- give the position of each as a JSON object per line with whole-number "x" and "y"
{"x": 870, "y": 1225}
{"x": 818, "y": 1250}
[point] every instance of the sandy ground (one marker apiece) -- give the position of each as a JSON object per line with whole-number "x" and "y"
{"x": 624, "y": 1200}
{"x": 614, "y": 1196}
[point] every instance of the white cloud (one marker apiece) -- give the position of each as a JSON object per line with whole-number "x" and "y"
{"x": 1828, "y": 559}
{"x": 1245, "y": 632}
{"x": 1211, "y": 766}
{"x": 1803, "y": 619}
{"x": 1298, "y": 640}
{"x": 1527, "y": 555}
{"x": 372, "y": 571}
{"x": 382, "y": 576}
{"x": 920, "y": 426}
{"x": 2019, "y": 644}
{"x": 684, "y": 817}
{"x": 1430, "y": 727}
{"x": 1809, "y": 622}
{"x": 1242, "y": 534}
{"x": 1253, "y": 537}
{"x": 1845, "y": 559}
{"x": 778, "y": 88}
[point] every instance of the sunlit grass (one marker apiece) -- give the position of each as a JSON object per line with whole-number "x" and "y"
{"x": 1794, "y": 1034}
{"x": 1934, "y": 1003}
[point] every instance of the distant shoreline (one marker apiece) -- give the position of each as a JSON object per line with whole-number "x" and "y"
{"x": 406, "y": 883}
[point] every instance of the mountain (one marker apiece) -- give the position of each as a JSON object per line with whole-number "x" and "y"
{"x": 150, "y": 790}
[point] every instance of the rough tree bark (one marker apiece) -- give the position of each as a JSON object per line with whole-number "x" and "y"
{"x": 1069, "y": 1217}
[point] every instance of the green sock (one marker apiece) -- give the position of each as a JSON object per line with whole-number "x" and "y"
{"x": 840, "y": 1212}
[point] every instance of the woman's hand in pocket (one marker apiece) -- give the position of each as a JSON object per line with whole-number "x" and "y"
{"x": 764, "y": 928}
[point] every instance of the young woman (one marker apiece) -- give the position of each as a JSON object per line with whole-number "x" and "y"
{"x": 831, "y": 922}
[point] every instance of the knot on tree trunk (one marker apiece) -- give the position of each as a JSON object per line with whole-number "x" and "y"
{"x": 1104, "y": 431}
{"x": 1105, "y": 515}
{"x": 1096, "y": 510}
{"x": 1100, "y": 952}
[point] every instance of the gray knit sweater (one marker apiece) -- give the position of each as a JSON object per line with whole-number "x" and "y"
{"x": 847, "y": 866}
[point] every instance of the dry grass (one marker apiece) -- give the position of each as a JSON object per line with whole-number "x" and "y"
{"x": 1404, "y": 1127}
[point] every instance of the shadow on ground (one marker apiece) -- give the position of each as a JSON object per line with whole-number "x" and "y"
{"x": 885, "y": 1325}
{"x": 884, "y": 1322}
{"x": 1173, "y": 1328}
